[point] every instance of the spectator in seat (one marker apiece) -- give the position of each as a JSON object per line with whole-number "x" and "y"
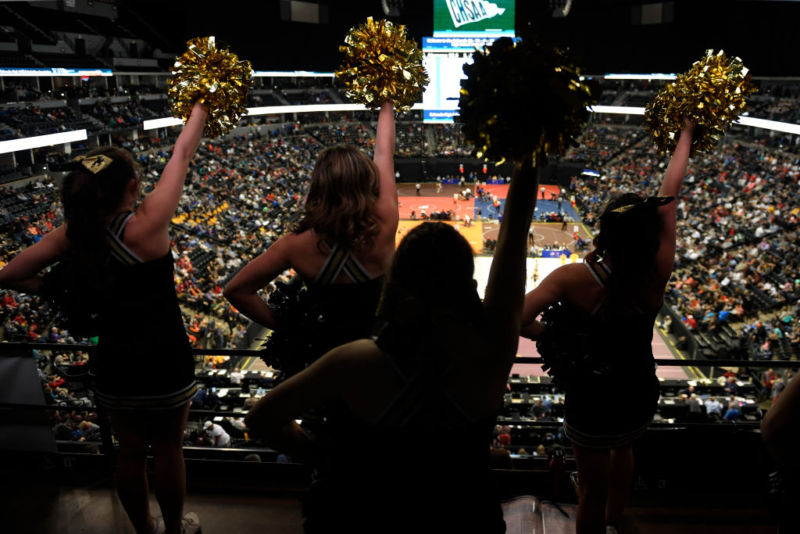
{"x": 236, "y": 377}
{"x": 216, "y": 435}
{"x": 713, "y": 408}
{"x": 730, "y": 386}
{"x": 734, "y": 412}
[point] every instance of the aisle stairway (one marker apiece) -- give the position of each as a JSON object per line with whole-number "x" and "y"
{"x": 529, "y": 515}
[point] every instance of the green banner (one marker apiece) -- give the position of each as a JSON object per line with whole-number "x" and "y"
{"x": 470, "y": 16}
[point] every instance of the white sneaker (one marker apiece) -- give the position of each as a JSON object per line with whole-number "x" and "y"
{"x": 191, "y": 524}
{"x": 611, "y": 530}
{"x": 159, "y": 527}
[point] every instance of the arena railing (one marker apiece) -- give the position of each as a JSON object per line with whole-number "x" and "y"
{"x": 27, "y": 351}
{"x": 664, "y": 457}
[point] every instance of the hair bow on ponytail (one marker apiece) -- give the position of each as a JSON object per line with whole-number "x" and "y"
{"x": 94, "y": 164}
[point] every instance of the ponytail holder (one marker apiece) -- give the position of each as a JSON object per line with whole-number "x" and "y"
{"x": 650, "y": 202}
{"x": 94, "y": 164}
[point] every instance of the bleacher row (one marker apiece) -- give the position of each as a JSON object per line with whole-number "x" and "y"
{"x": 623, "y": 144}
{"x": 531, "y": 412}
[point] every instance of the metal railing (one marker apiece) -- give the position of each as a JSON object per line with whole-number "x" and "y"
{"x": 27, "y": 350}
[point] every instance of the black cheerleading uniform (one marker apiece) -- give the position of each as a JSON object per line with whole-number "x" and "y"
{"x": 603, "y": 360}
{"x": 350, "y": 307}
{"x": 144, "y": 358}
{"x": 316, "y": 316}
{"x": 393, "y": 475}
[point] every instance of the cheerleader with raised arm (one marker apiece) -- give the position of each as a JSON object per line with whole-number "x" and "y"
{"x": 596, "y": 336}
{"x": 144, "y": 363}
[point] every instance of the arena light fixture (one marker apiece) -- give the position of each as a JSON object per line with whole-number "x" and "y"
{"x": 27, "y": 143}
{"x": 777, "y": 126}
{"x": 312, "y": 108}
{"x": 56, "y": 71}
{"x": 654, "y": 76}
{"x": 785, "y": 127}
{"x": 152, "y": 124}
{"x": 619, "y": 110}
{"x": 304, "y": 108}
{"x": 291, "y": 74}
{"x": 270, "y": 110}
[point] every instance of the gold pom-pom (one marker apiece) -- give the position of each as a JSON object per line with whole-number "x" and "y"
{"x": 523, "y": 99}
{"x": 216, "y": 78}
{"x": 713, "y": 93}
{"x": 381, "y": 63}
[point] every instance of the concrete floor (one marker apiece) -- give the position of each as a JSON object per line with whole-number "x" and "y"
{"x": 96, "y": 510}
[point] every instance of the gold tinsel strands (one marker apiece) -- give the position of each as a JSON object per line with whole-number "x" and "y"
{"x": 216, "y": 78}
{"x": 713, "y": 93}
{"x": 381, "y": 63}
{"x": 523, "y": 99}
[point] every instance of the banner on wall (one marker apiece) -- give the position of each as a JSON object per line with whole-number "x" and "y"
{"x": 556, "y": 253}
{"x": 473, "y": 16}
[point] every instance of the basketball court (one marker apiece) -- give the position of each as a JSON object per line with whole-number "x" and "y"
{"x": 537, "y": 269}
{"x": 545, "y": 234}
{"x": 553, "y": 235}
{"x": 427, "y": 205}
{"x": 473, "y": 233}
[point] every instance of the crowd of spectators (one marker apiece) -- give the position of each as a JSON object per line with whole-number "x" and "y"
{"x": 32, "y": 120}
{"x": 64, "y": 376}
{"x": 309, "y": 96}
{"x": 343, "y": 132}
{"x": 26, "y": 214}
{"x": 737, "y": 239}
{"x": 601, "y": 142}
{"x": 26, "y": 90}
{"x": 415, "y": 140}
{"x": 448, "y": 141}
{"x": 412, "y": 140}
{"x": 99, "y": 116}
{"x": 242, "y": 194}
{"x": 735, "y": 277}
{"x": 120, "y": 115}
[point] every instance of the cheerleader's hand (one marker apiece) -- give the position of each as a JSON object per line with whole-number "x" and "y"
{"x": 532, "y": 330}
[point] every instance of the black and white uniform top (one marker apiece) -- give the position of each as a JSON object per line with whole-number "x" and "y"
{"x": 349, "y": 307}
{"x": 144, "y": 358}
{"x": 315, "y": 316}
{"x": 603, "y": 360}
{"x": 393, "y": 475}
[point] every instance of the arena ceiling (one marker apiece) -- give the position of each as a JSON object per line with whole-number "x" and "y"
{"x": 608, "y": 35}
